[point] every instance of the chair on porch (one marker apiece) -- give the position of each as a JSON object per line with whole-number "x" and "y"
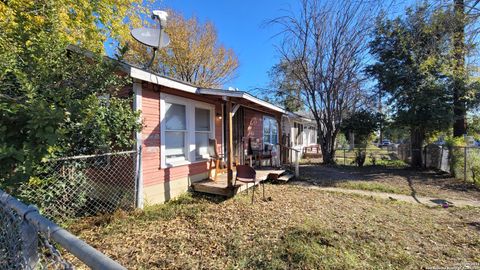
{"x": 266, "y": 154}
{"x": 247, "y": 174}
{"x": 216, "y": 160}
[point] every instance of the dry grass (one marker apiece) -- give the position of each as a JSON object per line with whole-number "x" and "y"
{"x": 298, "y": 228}
{"x": 392, "y": 180}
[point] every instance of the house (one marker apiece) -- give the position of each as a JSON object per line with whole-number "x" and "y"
{"x": 180, "y": 119}
{"x": 301, "y": 130}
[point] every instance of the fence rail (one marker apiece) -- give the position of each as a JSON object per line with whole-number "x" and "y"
{"x": 28, "y": 241}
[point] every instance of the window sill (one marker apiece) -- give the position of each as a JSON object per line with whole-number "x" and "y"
{"x": 182, "y": 163}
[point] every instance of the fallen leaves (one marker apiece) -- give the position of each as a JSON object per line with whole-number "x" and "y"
{"x": 299, "y": 228}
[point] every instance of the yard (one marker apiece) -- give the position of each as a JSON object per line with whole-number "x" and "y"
{"x": 391, "y": 179}
{"x": 296, "y": 228}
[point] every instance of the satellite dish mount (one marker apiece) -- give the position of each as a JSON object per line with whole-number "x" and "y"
{"x": 153, "y": 38}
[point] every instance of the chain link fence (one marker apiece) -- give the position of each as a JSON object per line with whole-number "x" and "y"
{"x": 31, "y": 241}
{"x": 462, "y": 162}
{"x": 63, "y": 190}
{"x": 372, "y": 155}
{"x": 73, "y": 187}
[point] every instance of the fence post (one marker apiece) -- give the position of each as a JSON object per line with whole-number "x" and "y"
{"x": 411, "y": 153}
{"x": 138, "y": 179}
{"x": 29, "y": 237}
{"x": 465, "y": 164}
{"x": 441, "y": 158}
{"x": 344, "y": 157}
{"x": 425, "y": 157}
{"x": 297, "y": 173}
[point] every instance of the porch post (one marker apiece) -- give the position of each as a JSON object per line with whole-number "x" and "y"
{"x": 280, "y": 139}
{"x": 229, "y": 144}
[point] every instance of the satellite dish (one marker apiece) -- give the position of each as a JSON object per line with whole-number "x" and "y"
{"x": 150, "y": 37}
{"x": 154, "y": 38}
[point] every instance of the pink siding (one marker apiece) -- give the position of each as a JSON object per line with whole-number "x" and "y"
{"x": 152, "y": 171}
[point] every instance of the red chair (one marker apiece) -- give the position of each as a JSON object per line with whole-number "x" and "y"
{"x": 247, "y": 174}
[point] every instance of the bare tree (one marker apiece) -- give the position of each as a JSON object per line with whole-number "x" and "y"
{"x": 326, "y": 45}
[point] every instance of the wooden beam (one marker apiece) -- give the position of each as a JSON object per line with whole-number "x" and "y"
{"x": 279, "y": 135}
{"x": 229, "y": 143}
{"x": 235, "y": 108}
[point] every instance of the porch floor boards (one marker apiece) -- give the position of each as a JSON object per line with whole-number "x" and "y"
{"x": 219, "y": 187}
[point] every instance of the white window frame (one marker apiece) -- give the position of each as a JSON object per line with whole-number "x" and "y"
{"x": 270, "y": 119}
{"x": 210, "y": 133}
{"x": 190, "y": 106}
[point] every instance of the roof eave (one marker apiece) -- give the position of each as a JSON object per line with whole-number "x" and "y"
{"x": 240, "y": 94}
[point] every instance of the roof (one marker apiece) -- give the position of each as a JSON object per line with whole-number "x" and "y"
{"x": 139, "y": 73}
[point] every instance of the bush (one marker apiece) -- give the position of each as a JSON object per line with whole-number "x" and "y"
{"x": 360, "y": 156}
{"x": 59, "y": 196}
{"x": 473, "y": 165}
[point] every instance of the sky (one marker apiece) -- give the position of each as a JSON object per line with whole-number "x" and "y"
{"x": 241, "y": 26}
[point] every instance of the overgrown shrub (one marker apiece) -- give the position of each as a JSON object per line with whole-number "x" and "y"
{"x": 373, "y": 159}
{"x": 61, "y": 195}
{"x": 360, "y": 156}
{"x": 473, "y": 159}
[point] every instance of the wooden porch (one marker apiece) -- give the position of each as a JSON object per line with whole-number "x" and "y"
{"x": 238, "y": 134}
{"x": 220, "y": 187}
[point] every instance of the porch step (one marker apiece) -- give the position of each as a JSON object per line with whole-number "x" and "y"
{"x": 210, "y": 187}
{"x": 286, "y": 177}
{"x": 220, "y": 186}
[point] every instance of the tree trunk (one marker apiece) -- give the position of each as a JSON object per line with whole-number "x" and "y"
{"x": 417, "y": 137}
{"x": 327, "y": 143}
{"x": 328, "y": 154}
{"x": 459, "y": 107}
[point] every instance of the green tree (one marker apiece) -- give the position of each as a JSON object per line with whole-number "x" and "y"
{"x": 286, "y": 88}
{"x": 411, "y": 65}
{"x": 52, "y": 101}
{"x": 362, "y": 123}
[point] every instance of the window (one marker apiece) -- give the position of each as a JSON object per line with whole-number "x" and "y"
{"x": 270, "y": 130}
{"x": 175, "y": 132}
{"x": 313, "y": 139}
{"x": 186, "y": 127}
{"x": 202, "y": 132}
{"x": 298, "y": 133}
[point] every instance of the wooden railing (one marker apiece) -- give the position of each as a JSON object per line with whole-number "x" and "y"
{"x": 297, "y": 158}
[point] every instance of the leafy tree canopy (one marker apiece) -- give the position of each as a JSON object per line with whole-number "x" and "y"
{"x": 194, "y": 54}
{"x": 52, "y": 103}
{"x": 287, "y": 89}
{"x": 412, "y": 66}
{"x": 362, "y": 123}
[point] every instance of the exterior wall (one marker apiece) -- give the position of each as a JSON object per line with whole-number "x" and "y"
{"x": 308, "y": 135}
{"x": 253, "y": 126}
{"x": 161, "y": 184}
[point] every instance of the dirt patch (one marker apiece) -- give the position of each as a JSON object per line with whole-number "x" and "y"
{"x": 298, "y": 228}
{"x": 393, "y": 180}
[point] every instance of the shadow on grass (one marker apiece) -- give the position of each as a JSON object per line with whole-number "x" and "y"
{"x": 401, "y": 180}
{"x": 475, "y": 225}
